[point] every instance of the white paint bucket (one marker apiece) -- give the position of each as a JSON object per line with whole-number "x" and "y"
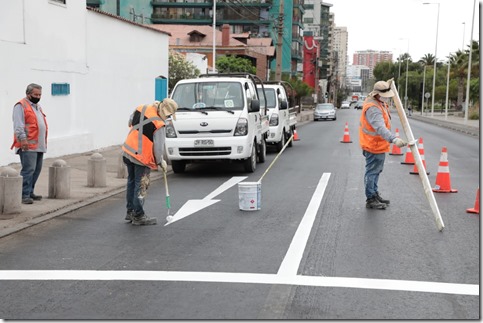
{"x": 249, "y": 196}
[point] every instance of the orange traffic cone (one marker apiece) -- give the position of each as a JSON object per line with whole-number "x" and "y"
{"x": 421, "y": 152}
{"x": 476, "y": 209}
{"x": 443, "y": 182}
{"x": 295, "y": 135}
{"x": 409, "y": 159}
{"x": 347, "y": 137}
{"x": 395, "y": 149}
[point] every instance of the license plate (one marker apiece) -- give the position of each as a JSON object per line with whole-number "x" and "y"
{"x": 204, "y": 143}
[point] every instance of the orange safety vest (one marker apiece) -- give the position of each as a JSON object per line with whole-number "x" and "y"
{"x": 139, "y": 142}
{"x": 31, "y": 126}
{"x": 368, "y": 138}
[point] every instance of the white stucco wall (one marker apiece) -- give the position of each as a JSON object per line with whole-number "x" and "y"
{"x": 110, "y": 64}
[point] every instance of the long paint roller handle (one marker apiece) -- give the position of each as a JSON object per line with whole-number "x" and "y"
{"x": 276, "y": 157}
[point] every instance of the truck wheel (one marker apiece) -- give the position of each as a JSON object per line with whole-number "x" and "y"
{"x": 250, "y": 163}
{"x": 281, "y": 143}
{"x": 178, "y": 166}
{"x": 262, "y": 151}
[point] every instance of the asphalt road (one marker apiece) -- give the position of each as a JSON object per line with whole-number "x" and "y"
{"x": 313, "y": 251}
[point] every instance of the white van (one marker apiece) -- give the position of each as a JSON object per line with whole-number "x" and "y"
{"x": 283, "y": 118}
{"x": 218, "y": 118}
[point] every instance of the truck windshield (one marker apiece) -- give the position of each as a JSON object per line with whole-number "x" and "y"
{"x": 203, "y": 95}
{"x": 270, "y": 94}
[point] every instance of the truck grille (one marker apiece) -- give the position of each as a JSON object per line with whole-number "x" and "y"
{"x": 205, "y": 151}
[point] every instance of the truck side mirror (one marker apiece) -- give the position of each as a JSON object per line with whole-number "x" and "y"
{"x": 283, "y": 105}
{"x": 254, "y": 106}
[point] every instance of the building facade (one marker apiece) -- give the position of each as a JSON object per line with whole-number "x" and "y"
{"x": 370, "y": 58}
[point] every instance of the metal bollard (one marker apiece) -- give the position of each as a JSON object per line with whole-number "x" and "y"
{"x": 96, "y": 171}
{"x": 121, "y": 167}
{"x": 59, "y": 180}
{"x": 10, "y": 191}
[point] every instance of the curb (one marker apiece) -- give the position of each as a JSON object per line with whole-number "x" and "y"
{"x": 466, "y": 129}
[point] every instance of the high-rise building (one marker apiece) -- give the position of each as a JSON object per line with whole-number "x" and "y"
{"x": 340, "y": 47}
{"x": 370, "y": 58}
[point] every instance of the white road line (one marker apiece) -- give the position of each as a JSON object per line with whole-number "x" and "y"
{"x": 242, "y": 278}
{"x": 291, "y": 262}
{"x": 223, "y": 187}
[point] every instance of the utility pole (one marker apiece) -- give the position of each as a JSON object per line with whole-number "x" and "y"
{"x": 278, "y": 68}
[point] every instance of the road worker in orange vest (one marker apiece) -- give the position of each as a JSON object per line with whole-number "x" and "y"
{"x": 375, "y": 138}
{"x": 30, "y": 140}
{"x": 142, "y": 152}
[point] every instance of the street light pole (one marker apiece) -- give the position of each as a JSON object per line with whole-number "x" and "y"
{"x": 435, "y": 58}
{"x": 463, "y": 43}
{"x": 469, "y": 65}
{"x": 214, "y": 36}
{"x": 447, "y": 89}
{"x": 422, "y": 98}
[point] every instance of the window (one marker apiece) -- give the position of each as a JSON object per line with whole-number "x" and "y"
{"x": 59, "y": 1}
{"x": 60, "y": 88}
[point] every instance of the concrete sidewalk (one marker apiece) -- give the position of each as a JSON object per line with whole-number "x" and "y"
{"x": 81, "y": 195}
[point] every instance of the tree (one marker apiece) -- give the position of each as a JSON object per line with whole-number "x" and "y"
{"x": 301, "y": 89}
{"x": 180, "y": 69}
{"x": 427, "y": 60}
{"x": 233, "y": 64}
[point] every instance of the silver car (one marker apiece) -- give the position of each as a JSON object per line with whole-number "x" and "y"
{"x": 325, "y": 111}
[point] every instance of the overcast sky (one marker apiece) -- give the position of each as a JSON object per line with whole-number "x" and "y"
{"x": 388, "y": 24}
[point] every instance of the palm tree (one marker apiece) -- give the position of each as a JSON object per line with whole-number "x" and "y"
{"x": 459, "y": 65}
{"x": 427, "y": 60}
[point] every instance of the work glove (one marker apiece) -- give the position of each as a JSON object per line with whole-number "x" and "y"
{"x": 163, "y": 165}
{"x": 24, "y": 144}
{"x": 399, "y": 142}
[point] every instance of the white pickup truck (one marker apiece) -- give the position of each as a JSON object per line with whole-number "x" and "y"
{"x": 283, "y": 118}
{"x": 219, "y": 118}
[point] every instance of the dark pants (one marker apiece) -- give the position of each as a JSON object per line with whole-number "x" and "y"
{"x": 374, "y": 166}
{"x": 135, "y": 175}
{"x": 31, "y": 167}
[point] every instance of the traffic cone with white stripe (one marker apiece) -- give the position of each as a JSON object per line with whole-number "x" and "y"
{"x": 295, "y": 135}
{"x": 347, "y": 137}
{"x": 409, "y": 159}
{"x": 443, "y": 182}
{"x": 395, "y": 149}
{"x": 476, "y": 209}
{"x": 421, "y": 153}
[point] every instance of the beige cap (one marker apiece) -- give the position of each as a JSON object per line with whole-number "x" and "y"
{"x": 382, "y": 88}
{"x": 167, "y": 108}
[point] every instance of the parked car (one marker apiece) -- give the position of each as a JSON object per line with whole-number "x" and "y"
{"x": 345, "y": 105}
{"x": 358, "y": 105}
{"x": 325, "y": 111}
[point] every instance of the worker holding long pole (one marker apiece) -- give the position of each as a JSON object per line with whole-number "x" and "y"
{"x": 375, "y": 138}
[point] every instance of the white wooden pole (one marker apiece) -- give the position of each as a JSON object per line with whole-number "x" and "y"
{"x": 417, "y": 158}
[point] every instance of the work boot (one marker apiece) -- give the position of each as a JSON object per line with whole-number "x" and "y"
{"x": 36, "y": 197}
{"x": 380, "y": 199}
{"x": 129, "y": 215}
{"x": 373, "y": 203}
{"x": 143, "y": 220}
{"x": 27, "y": 200}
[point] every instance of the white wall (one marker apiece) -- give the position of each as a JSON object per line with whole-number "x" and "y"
{"x": 110, "y": 64}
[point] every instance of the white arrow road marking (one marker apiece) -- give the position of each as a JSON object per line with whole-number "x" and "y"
{"x": 291, "y": 262}
{"x": 193, "y": 206}
{"x": 243, "y": 278}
